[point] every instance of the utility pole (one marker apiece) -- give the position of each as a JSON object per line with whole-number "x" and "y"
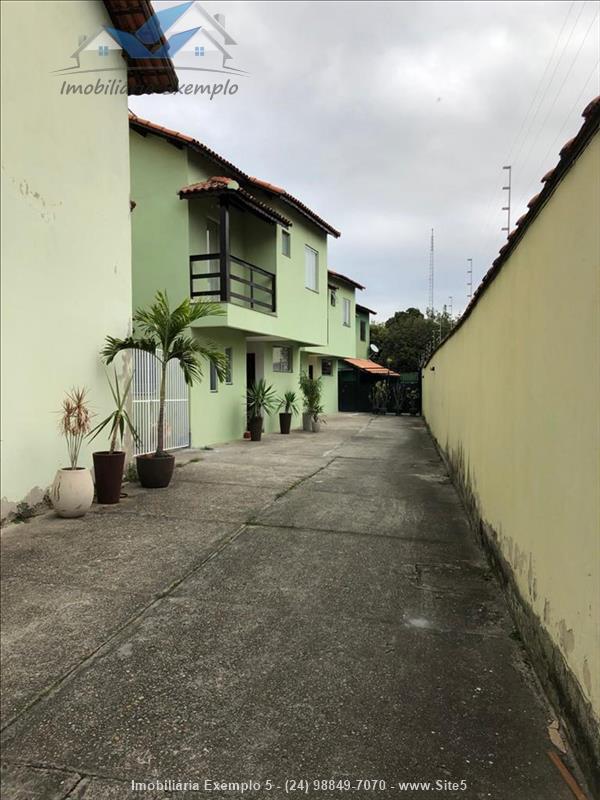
{"x": 507, "y": 206}
{"x": 469, "y": 279}
{"x": 431, "y": 276}
{"x": 450, "y": 305}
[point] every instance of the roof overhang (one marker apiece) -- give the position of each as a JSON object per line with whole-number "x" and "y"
{"x": 370, "y": 367}
{"x": 144, "y": 75}
{"x": 364, "y": 310}
{"x": 231, "y": 192}
{"x": 345, "y": 279}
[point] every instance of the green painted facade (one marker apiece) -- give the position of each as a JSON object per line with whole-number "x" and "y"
{"x": 167, "y": 230}
{"x": 362, "y": 345}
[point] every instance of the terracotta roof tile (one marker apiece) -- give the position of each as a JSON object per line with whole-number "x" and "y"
{"x": 366, "y": 365}
{"x": 146, "y": 126}
{"x": 362, "y": 309}
{"x": 144, "y": 75}
{"x": 345, "y": 278}
{"x": 221, "y": 185}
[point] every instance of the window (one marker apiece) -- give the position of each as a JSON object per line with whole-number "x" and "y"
{"x": 198, "y": 51}
{"x": 311, "y": 268}
{"x": 286, "y": 244}
{"x": 363, "y": 330}
{"x": 214, "y": 378}
{"x": 326, "y": 366}
{"x": 346, "y": 312}
{"x": 310, "y": 371}
{"x": 228, "y": 365}
{"x": 282, "y": 359}
{"x": 333, "y": 297}
{"x": 103, "y": 50}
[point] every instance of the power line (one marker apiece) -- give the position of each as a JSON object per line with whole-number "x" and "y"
{"x": 539, "y": 86}
{"x": 549, "y": 84}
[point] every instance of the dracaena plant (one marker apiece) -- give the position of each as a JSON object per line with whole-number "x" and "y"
{"x": 163, "y": 332}
{"x": 289, "y": 403}
{"x": 261, "y": 399}
{"x": 119, "y": 420}
{"x": 75, "y": 422}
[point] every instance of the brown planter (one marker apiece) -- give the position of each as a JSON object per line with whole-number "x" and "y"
{"x": 255, "y": 425}
{"x": 285, "y": 422}
{"x": 108, "y": 474}
{"x": 155, "y": 472}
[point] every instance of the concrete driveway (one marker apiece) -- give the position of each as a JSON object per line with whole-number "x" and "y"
{"x": 311, "y": 607}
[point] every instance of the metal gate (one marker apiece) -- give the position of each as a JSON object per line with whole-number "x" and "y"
{"x": 146, "y": 386}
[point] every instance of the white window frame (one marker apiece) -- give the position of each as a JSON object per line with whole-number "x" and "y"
{"x": 346, "y": 311}
{"x": 308, "y": 282}
{"x": 286, "y": 236}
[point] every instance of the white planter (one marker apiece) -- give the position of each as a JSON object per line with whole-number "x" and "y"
{"x": 307, "y": 421}
{"x": 316, "y": 426}
{"x": 72, "y": 492}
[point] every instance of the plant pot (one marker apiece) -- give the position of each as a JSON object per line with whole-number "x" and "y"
{"x": 72, "y": 492}
{"x": 316, "y": 425}
{"x": 255, "y": 425}
{"x": 285, "y": 422}
{"x": 155, "y": 472}
{"x": 108, "y": 472}
{"x": 307, "y": 421}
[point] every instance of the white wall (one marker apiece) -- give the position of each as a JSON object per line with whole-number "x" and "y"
{"x": 66, "y": 254}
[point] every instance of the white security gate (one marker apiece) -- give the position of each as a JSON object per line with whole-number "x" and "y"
{"x": 146, "y": 386}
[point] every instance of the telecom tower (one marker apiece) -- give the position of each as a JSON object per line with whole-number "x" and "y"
{"x": 431, "y": 278}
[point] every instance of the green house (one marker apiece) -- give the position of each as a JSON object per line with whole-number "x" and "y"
{"x": 202, "y": 228}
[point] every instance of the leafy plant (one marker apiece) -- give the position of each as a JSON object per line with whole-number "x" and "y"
{"x": 289, "y": 403}
{"x": 119, "y": 420}
{"x": 311, "y": 389}
{"x": 162, "y": 332}
{"x": 379, "y": 396}
{"x": 74, "y": 422}
{"x": 261, "y": 399}
{"x": 398, "y": 397}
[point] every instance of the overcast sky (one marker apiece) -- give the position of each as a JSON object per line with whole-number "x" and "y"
{"x": 390, "y": 118}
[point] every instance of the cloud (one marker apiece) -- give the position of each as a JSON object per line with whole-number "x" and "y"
{"x": 390, "y": 118}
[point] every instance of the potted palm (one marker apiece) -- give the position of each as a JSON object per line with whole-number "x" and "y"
{"x": 162, "y": 331}
{"x": 317, "y": 419}
{"x": 289, "y": 404}
{"x": 73, "y": 489}
{"x": 308, "y": 388}
{"x": 108, "y": 464}
{"x": 261, "y": 400}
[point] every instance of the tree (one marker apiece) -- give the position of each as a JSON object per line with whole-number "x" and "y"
{"x": 403, "y": 338}
{"x": 163, "y": 333}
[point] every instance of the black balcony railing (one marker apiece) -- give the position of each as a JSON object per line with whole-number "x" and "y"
{"x": 232, "y": 279}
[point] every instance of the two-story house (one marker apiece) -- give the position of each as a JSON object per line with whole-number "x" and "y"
{"x": 203, "y": 228}
{"x": 66, "y": 238}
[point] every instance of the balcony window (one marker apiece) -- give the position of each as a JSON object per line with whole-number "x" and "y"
{"x": 282, "y": 359}
{"x": 311, "y": 268}
{"x": 363, "y": 330}
{"x": 228, "y": 365}
{"x": 347, "y": 309}
{"x": 286, "y": 244}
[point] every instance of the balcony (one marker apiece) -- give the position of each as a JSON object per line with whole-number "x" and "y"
{"x": 229, "y": 279}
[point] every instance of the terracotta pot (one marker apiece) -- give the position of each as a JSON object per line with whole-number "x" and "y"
{"x": 256, "y": 425}
{"x": 285, "y": 422}
{"x": 108, "y": 472}
{"x": 72, "y": 492}
{"x": 155, "y": 472}
{"x": 307, "y": 421}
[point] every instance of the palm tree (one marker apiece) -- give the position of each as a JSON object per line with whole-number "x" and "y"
{"x": 162, "y": 332}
